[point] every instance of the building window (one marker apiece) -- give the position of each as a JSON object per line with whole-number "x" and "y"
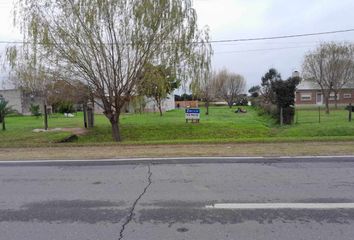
{"x": 332, "y": 97}
{"x": 347, "y": 95}
{"x": 306, "y": 97}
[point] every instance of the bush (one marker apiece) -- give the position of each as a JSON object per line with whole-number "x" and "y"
{"x": 348, "y": 108}
{"x": 288, "y": 115}
{"x": 269, "y": 109}
{"x": 35, "y": 110}
{"x": 242, "y": 101}
{"x": 65, "y": 107}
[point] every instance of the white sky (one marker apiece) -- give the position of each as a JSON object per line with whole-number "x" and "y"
{"x": 234, "y": 19}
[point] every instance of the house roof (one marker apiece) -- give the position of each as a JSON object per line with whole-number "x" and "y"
{"x": 308, "y": 85}
{"x": 312, "y": 85}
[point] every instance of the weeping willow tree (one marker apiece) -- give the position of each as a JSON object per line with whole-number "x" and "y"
{"x": 106, "y": 44}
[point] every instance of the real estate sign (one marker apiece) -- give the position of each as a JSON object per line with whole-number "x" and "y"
{"x": 192, "y": 114}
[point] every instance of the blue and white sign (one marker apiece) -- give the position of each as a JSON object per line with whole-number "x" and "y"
{"x": 192, "y": 114}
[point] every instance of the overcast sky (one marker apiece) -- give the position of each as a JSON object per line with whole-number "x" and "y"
{"x": 234, "y": 19}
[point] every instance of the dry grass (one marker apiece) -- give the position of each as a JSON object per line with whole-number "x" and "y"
{"x": 193, "y": 150}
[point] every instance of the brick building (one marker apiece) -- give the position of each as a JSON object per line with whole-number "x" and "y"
{"x": 309, "y": 93}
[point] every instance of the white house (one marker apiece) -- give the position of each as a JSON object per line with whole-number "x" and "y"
{"x": 19, "y": 100}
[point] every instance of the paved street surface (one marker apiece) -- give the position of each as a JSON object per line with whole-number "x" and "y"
{"x": 232, "y": 199}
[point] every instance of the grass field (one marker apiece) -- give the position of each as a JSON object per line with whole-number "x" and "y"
{"x": 221, "y": 126}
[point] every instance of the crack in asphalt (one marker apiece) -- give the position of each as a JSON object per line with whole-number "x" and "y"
{"x": 131, "y": 212}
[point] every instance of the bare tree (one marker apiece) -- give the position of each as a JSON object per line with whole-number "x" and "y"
{"x": 205, "y": 89}
{"x": 107, "y": 43}
{"x": 28, "y": 74}
{"x": 344, "y": 69}
{"x": 229, "y": 86}
{"x": 331, "y": 67}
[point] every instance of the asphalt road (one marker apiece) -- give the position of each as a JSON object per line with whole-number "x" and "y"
{"x": 149, "y": 200}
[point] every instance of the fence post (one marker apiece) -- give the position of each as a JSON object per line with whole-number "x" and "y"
{"x": 319, "y": 114}
{"x": 281, "y": 117}
{"x": 84, "y": 108}
{"x": 350, "y": 112}
{"x": 45, "y": 117}
{"x": 296, "y": 115}
{"x": 90, "y": 117}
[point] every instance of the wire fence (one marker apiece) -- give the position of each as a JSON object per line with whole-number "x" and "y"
{"x": 319, "y": 115}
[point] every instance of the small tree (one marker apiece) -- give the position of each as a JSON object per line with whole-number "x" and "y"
{"x": 35, "y": 110}
{"x": 229, "y": 86}
{"x": 284, "y": 97}
{"x": 4, "y": 111}
{"x": 205, "y": 89}
{"x": 158, "y": 82}
{"x": 268, "y": 94}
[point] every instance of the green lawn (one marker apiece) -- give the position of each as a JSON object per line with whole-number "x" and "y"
{"x": 222, "y": 125}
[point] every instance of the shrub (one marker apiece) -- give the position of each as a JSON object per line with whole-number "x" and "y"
{"x": 65, "y": 107}
{"x": 35, "y": 110}
{"x": 242, "y": 101}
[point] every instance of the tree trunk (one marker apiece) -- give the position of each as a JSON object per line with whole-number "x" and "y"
{"x": 160, "y": 110}
{"x": 160, "y": 107}
{"x": 207, "y": 107}
{"x": 45, "y": 117}
{"x": 335, "y": 100}
{"x": 84, "y": 109}
{"x": 327, "y": 103}
{"x": 230, "y": 104}
{"x": 3, "y": 124}
{"x": 115, "y": 130}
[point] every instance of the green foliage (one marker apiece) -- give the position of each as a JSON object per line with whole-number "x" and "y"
{"x": 279, "y": 93}
{"x": 271, "y": 76}
{"x": 157, "y": 83}
{"x": 242, "y": 100}
{"x": 284, "y": 92}
{"x": 139, "y": 104}
{"x": 65, "y": 107}
{"x": 35, "y": 110}
{"x": 4, "y": 111}
{"x": 255, "y": 91}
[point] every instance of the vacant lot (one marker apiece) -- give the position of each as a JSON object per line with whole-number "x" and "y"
{"x": 221, "y": 126}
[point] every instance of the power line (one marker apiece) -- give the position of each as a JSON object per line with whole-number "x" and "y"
{"x": 263, "y": 49}
{"x": 240, "y": 39}
{"x": 282, "y": 37}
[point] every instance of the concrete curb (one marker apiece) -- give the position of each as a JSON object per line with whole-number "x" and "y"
{"x": 180, "y": 160}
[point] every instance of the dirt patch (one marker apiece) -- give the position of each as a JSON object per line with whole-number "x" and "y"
{"x": 192, "y": 150}
{"x": 76, "y": 131}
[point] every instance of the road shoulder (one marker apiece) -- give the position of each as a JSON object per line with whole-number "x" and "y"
{"x": 180, "y": 150}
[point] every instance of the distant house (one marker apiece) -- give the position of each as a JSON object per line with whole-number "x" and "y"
{"x": 19, "y": 100}
{"x": 309, "y": 93}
